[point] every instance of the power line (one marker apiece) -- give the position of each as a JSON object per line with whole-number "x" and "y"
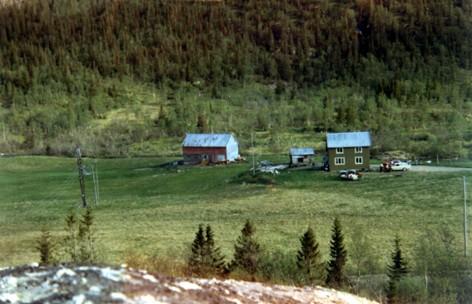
{"x": 465, "y": 218}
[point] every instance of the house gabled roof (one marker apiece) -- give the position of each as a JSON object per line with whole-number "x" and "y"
{"x": 348, "y": 140}
{"x": 302, "y": 151}
{"x": 206, "y": 140}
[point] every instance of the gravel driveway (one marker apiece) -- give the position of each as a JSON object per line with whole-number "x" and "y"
{"x": 438, "y": 169}
{"x": 429, "y": 169}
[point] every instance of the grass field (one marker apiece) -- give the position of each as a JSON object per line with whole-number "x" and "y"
{"x": 147, "y": 209}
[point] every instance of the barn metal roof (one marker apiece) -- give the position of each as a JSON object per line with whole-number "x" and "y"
{"x": 206, "y": 140}
{"x": 348, "y": 140}
{"x": 302, "y": 151}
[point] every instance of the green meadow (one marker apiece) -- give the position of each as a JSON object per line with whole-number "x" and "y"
{"x": 152, "y": 210}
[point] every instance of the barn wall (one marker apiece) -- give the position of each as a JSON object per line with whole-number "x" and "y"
{"x": 194, "y": 155}
{"x": 232, "y": 149}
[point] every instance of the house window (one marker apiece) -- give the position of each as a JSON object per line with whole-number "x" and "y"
{"x": 339, "y": 150}
{"x": 359, "y": 160}
{"x": 358, "y": 150}
{"x": 339, "y": 161}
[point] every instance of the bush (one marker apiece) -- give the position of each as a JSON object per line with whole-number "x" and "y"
{"x": 279, "y": 267}
{"x": 258, "y": 178}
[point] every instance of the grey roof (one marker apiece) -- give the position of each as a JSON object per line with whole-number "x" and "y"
{"x": 206, "y": 140}
{"x": 302, "y": 151}
{"x": 348, "y": 140}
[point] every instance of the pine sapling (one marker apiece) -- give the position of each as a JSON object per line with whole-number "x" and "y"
{"x": 395, "y": 271}
{"x": 86, "y": 238}
{"x": 70, "y": 242}
{"x": 45, "y": 248}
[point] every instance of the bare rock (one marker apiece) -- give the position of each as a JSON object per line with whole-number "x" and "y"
{"x": 92, "y": 284}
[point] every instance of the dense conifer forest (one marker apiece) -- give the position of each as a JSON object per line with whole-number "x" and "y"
{"x": 400, "y": 68}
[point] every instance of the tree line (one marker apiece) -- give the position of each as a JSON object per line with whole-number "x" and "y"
{"x": 394, "y": 67}
{"x": 436, "y": 274}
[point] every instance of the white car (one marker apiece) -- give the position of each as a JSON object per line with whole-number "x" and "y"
{"x": 398, "y": 165}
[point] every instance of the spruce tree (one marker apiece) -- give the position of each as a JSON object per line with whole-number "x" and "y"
{"x": 205, "y": 257}
{"x": 195, "y": 261}
{"x": 396, "y": 271}
{"x": 212, "y": 254}
{"x": 308, "y": 257}
{"x": 246, "y": 250}
{"x": 45, "y": 248}
{"x": 338, "y": 256}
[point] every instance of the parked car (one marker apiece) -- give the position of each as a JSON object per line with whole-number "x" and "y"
{"x": 398, "y": 165}
{"x": 350, "y": 175}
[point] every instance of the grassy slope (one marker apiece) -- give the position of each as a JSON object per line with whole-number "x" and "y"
{"x": 154, "y": 210}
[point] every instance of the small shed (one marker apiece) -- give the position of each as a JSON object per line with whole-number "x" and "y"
{"x": 348, "y": 150}
{"x": 301, "y": 156}
{"x": 210, "y": 148}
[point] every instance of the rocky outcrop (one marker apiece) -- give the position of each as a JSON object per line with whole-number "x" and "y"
{"x": 91, "y": 284}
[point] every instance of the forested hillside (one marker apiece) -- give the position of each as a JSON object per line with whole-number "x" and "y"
{"x": 112, "y": 74}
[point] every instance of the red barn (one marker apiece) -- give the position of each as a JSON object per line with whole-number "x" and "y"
{"x": 211, "y": 148}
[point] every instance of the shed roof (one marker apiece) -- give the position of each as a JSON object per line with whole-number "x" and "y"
{"x": 348, "y": 140}
{"x": 206, "y": 140}
{"x": 302, "y": 151}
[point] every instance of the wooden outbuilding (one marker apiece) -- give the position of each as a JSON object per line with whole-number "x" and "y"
{"x": 210, "y": 148}
{"x": 348, "y": 150}
{"x": 301, "y": 156}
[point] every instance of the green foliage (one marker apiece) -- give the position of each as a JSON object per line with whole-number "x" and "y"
{"x": 392, "y": 67}
{"x": 205, "y": 257}
{"x": 247, "y": 251}
{"x": 361, "y": 252}
{"x": 79, "y": 242}
{"x": 196, "y": 259}
{"x": 45, "y": 247}
{"x": 439, "y": 258}
{"x": 70, "y": 242}
{"x": 258, "y": 178}
{"x": 86, "y": 238}
{"x": 215, "y": 259}
{"x": 279, "y": 267}
{"x": 309, "y": 258}
{"x": 338, "y": 256}
{"x": 397, "y": 270}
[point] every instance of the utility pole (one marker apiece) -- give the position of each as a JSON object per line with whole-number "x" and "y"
{"x": 253, "y": 160}
{"x": 80, "y": 167}
{"x": 98, "y": 184}
{"x": 95, "y": 183}
{"x": 4, "y": 132}
{"x": 465, "y": 218}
